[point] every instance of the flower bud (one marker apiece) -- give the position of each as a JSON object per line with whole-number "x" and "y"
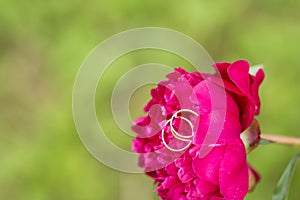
{"x": 251, "y": 136}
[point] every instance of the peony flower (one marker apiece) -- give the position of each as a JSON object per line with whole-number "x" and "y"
{"x": 185, "y": 112}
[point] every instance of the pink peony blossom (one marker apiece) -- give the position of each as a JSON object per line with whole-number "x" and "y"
{"x": 223, "y": 173}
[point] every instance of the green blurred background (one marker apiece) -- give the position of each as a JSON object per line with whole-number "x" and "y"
{"x": 43, "y": 43}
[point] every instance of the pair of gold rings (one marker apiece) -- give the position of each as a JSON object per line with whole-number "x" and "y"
{"x": 176, "y": 134}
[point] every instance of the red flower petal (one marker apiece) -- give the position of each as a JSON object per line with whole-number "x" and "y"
{"x": 206, "y": 168}
{"x": 234, "y": 172}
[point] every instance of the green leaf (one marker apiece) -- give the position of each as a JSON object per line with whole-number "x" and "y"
{"x": 281, "y": 189}
{"x": 264, "y": 141}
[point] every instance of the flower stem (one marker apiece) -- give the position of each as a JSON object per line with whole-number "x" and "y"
{"x": 280, "y": 139}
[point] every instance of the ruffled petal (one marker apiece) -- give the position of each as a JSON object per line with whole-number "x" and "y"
{"x": 206, "y": 168}
{"x": 257, "y": 80}
{"x": 234, "y": 172}
{"x": 238, "y": 73}
{"x": 221, "y": 68}
{"x": 205, "y": 188}
{"x": 218, "y": 115}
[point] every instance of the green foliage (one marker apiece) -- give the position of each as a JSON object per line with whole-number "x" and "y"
{"x": 281, "y": 189}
